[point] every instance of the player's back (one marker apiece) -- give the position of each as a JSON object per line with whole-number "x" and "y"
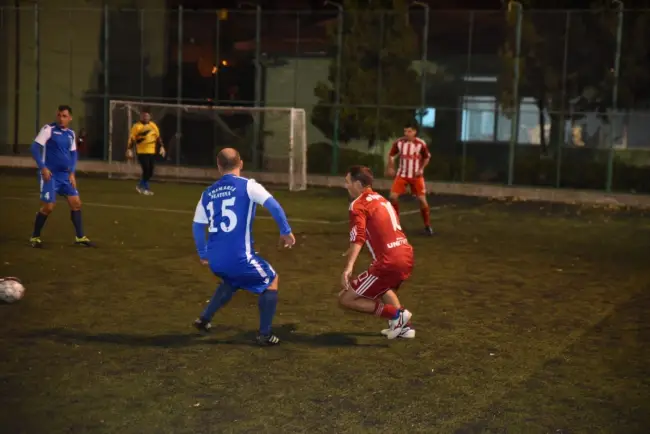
{"x": 230, "y": 210}
{"x": 384, "y": 236}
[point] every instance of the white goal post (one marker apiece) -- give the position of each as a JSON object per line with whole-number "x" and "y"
{"x": 271, "y": 140}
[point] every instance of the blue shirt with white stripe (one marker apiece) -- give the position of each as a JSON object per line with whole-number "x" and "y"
{"x": 227, "y": 208}
{"x": 55, "y": 147}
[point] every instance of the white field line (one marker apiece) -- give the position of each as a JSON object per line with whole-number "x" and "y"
{"x": 188, "y": 212}
{"x": 179, "y": 211}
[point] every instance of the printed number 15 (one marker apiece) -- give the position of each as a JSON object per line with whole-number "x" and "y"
{"x": 226, "y": 213}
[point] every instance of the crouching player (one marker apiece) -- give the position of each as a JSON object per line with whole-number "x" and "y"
{"x": 373, "y": 222}
{"x": 227, "y": 210}
{"x": 55, "y": 152}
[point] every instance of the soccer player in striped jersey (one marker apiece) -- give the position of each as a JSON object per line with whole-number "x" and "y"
{"x": 373, "y": 222}
{"x": 55, "y": 152}
{"x": 414, "y": 156}
{"x": 227, "y": 210}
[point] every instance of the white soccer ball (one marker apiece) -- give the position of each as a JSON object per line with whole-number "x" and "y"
{"x": 11, "y": 290}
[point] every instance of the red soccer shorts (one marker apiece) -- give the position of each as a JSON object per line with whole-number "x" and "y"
{"x": 374, "y": 282}
{"x": 418, "y": 188}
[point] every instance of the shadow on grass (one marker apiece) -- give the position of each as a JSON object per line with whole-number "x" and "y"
{"x": 286, "y": 332}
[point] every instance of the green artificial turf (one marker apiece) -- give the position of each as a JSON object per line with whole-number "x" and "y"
{"x": 530, "y": 318}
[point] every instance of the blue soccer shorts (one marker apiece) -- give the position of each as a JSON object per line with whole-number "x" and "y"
{"x": 59, "y": 184}
{"x": 254, "y": 275}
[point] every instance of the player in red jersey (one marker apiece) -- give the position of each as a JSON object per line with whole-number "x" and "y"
{"x": 413, "y": 156}
{"x": 373, "y": 222}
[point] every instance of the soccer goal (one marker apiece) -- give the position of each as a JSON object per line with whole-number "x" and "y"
{"x": 271, "y": 140}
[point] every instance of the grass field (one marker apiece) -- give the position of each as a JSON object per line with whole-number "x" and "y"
{"x": 531, "y": 318}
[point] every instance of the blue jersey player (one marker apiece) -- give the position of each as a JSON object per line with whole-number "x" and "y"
{"x": 55, "y": 152}
{"x": 227, "y": 210}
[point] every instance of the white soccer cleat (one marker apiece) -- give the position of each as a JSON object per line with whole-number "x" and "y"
{"x": 397, "y": 325}
{"x": 147, "y": 193}
{"x": 139, "y": 189}
{"x": 407, "y": 333}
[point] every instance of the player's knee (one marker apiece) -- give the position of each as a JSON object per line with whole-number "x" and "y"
{"x": 47, "y": 208}
{"x": 393, "y": 197}
{"x": 75, "y": 204}
{"x": 346, "y": 298}
{"x": 423, "y": 200}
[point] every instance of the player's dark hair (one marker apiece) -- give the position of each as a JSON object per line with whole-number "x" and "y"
{"x": 65, "y": 107}
{"x": 412, "y": 126}
{"x": 145, "y": 110}
{"x": 362, "y": 174}
{"x": 228, "y": 159}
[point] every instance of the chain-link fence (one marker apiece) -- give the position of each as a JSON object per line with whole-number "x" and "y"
{"x": 579, "y": 79}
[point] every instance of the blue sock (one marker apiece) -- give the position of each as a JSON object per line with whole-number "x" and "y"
{"x": 76, "y": 221}
{"x": 267, "y": 303}
{"x": 221, "y": 297}
{"x": 39, "y": 223}
{"x": 146, "y": 185}
{"x": 141, "y": 184}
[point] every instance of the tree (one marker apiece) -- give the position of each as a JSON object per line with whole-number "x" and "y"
{"x": 379, "y": 47}
{"x": 591, "y": 47}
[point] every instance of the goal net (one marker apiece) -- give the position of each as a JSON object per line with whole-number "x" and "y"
{"x": 272, "y": 141}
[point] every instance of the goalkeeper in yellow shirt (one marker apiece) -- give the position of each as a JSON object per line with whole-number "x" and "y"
{"x": 145, "y": 137}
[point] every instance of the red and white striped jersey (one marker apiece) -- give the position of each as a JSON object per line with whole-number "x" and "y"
{"x": 412, "y": 154}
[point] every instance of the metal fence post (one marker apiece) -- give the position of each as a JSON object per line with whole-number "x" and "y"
{"x": 380, "y": 81}
{"x": 514, "y": 132}
{"x": 216, "y": 98}
{"x": 337, "y": 87}
{"x": 142, "y": 55}
{"x": 424, "y": 59}
{"x": 179, "y": 86}
{"x": 562, "y": 131}
{"x": 297, "y": 62}
{"x": 468, "y": 73}
{"x": 37, "y": 61}
{"x": 16, "y": 148}
{"x": 617, "y": 74}
{"x": 258, "y": 86}
{"x": 106, "y": 82}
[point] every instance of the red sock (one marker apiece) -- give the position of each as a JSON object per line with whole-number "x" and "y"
{"x": 424, "y": 210}
{"x": 395, "y": 205}
{"x": 387, "y": 311}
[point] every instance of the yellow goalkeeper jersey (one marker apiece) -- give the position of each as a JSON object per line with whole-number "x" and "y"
{"x": 145, "y": 137}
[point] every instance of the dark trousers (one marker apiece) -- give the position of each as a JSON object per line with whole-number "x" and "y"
{"x": 147, "y": 162}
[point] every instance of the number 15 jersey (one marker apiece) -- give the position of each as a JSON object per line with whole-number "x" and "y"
{"x": 373, "y": 221}
{"x": 228, "y": 208}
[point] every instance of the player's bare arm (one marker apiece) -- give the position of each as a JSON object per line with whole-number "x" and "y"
{"x": 287, "y": 241}
{"x": 353, "y": 254}
{"x": 160, "y": 143}
{"x": 130, "y": 145}
{"x": 47, "y": 175}
{"x": 390, "y": 162}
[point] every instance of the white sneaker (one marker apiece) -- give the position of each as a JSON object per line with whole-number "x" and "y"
{"x": 147, "y": 193}
{"x": 139, "y": 189}
{"x": 397, "y": 325}
{"x": 407, "y": 333}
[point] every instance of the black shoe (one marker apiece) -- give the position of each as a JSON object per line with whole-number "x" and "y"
{"x": 202, "y": 326}
{"x": 267, "y": 340}
{"x": 428, "y": 231}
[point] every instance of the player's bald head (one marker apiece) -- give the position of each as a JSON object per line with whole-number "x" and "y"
{"x": 228, "y": 159}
